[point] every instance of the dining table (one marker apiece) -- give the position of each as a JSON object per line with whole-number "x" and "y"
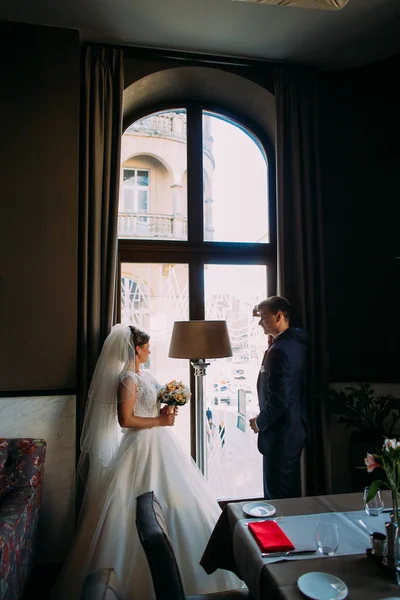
{"x": 232, "y": 547}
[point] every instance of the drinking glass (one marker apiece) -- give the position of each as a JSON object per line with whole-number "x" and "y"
{"x": 327, "y": 538}
{"x": 375, "y": 506}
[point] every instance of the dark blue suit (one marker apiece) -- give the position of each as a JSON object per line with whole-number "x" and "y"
{"x": 283, "y": 420}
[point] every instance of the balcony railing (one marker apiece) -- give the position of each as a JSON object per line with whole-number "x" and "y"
{"x": 171, "y": 125}
{"x": 167, "y": 125}
{"x": 151, "y": 225}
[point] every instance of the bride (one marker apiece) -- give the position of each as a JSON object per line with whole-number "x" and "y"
{"x": 118, "y": 468}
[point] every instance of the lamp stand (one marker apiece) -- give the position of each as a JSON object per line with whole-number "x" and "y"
{"x": 200, "y": 367}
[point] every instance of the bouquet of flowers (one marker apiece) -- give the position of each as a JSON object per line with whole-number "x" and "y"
{"x": 388, "y": 460}
{"x": 174, "y": 393}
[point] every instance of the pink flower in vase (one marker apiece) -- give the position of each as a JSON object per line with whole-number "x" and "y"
{"x": 371, "y": 463}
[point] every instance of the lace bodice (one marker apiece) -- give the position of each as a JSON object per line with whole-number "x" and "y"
{"x": 146, "y": 404}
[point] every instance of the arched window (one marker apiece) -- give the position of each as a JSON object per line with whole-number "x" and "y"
{"x": 206, "y": 250}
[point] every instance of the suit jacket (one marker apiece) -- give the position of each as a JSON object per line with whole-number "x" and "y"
{"x": 281, "y": 386}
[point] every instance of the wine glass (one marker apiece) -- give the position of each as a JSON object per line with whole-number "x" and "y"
{"x": 327, "y": 538}
{"x": 375, "y": 506}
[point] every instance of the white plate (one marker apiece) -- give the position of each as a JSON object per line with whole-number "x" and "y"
{"x": 259, "y": 509}
{"x": 322, "y": 586}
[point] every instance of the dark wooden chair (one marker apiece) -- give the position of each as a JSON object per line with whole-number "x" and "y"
{"x": 153, "y": 533}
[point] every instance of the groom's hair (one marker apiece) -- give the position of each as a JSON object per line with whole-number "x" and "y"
{"x": 276, "y": 304}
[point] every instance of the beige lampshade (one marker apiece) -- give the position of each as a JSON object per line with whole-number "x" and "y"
{"x": 200, "y": 339}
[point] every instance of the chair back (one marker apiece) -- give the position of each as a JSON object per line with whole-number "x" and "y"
{"x": 101, "y": 585}
{"x": 153, "y": 534}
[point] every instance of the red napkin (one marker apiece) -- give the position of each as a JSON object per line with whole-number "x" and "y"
{"x": 270, "y": 537}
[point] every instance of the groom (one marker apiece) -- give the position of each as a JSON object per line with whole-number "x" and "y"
{"x": 282, "y": 422}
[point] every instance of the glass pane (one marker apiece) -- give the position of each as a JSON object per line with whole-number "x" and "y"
{"x": 142, "y": 201}
{"x": 234, "y": 465}
{"x": 143, "y": 178}
{"x": 153, "y": 296}
{"x": 154, "y": 149}
{"x": 128, "y": 199}
{"x": 235, "y": 183}
{"x": 129, "y": 174}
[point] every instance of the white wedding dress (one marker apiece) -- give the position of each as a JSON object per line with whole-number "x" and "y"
{"x": 146, "y": 460}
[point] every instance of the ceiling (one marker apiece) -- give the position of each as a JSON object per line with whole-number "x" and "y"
{"x": 321, "y": 4}
{"x": 361, "y": 32}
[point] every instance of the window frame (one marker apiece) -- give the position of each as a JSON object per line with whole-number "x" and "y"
{"x": 196, "y": 252}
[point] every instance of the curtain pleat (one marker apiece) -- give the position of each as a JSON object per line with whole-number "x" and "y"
{"x": 300, "y": 247}
{"x": 100, "y": 149}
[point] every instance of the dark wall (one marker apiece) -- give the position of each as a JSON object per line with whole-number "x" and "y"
{"x": 360, "y": 157}
{"x": 39, "y": 111}
{"x": 242, "y": 93}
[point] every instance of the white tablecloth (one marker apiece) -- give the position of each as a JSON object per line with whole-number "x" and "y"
{"x": 300, "y": 529}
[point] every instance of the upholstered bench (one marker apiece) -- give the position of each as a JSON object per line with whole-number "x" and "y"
{"x": 21, "y": 475}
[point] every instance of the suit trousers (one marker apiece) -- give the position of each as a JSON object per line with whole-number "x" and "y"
{"x": 281, "y": 476}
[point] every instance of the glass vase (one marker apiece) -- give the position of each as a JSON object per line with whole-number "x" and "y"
{"x": 393, "y": 539}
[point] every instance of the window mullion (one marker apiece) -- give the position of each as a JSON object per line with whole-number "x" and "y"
{"x": 195, "y": 174}
{"x": 194, "y": 141}
{"x": 196, "y": 289}
{"x": 196, "y": 312}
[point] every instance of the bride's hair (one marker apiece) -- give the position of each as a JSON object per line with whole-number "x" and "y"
{"x": 139, "y": 338}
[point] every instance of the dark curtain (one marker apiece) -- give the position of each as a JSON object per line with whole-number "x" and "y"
{"x": 100, "y": 148}
{"x": 300, "y": 249}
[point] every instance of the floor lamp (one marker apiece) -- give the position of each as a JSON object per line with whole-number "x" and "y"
{"x": 197, "y": 341}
